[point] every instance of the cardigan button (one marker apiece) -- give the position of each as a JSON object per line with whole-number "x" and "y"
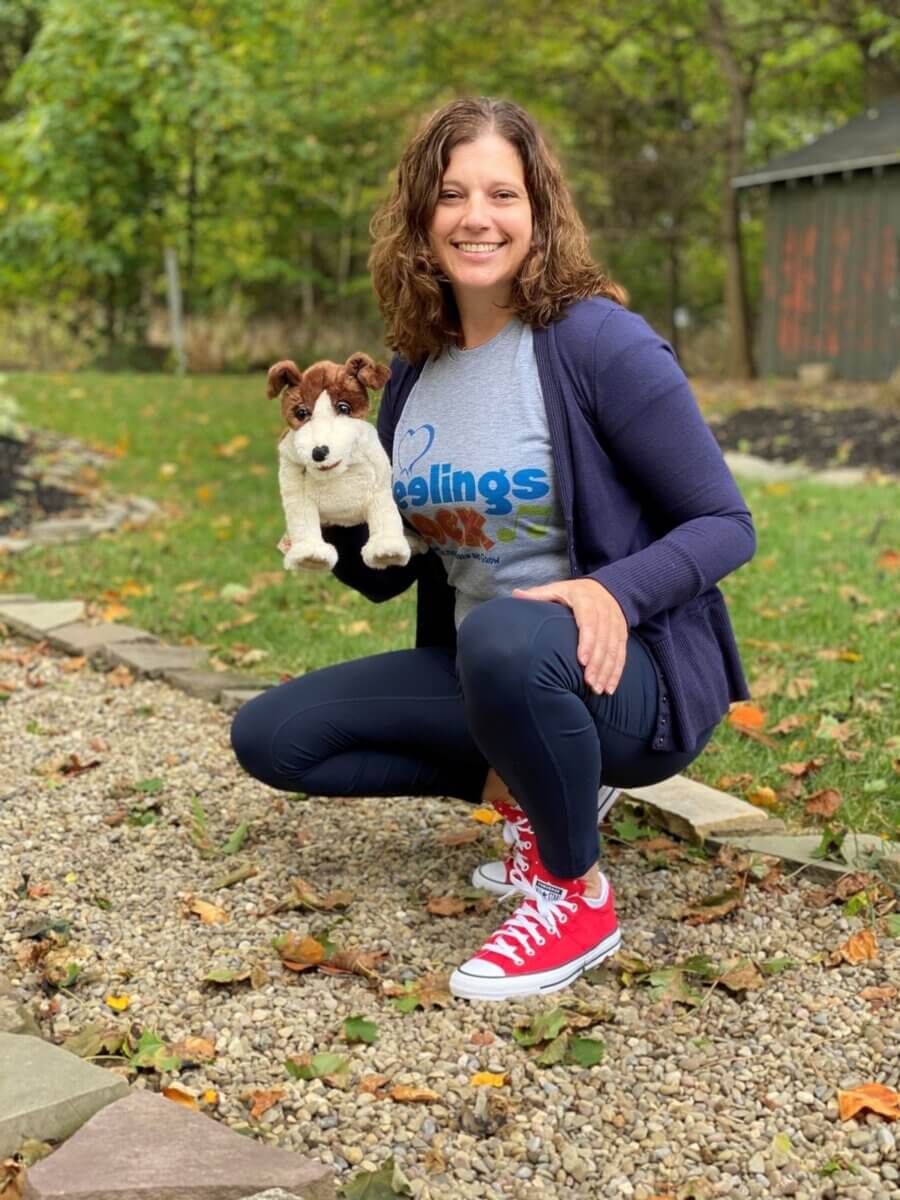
{"x": 659, "y": 741}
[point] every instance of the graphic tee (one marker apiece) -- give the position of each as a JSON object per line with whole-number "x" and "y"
{"x": 473, "y": 469}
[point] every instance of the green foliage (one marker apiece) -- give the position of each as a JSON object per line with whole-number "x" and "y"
{"x": 257, "y": 139}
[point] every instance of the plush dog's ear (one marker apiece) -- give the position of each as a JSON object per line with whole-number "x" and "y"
{"x": 283, "y": 374}
{"x": 369, "y": 373}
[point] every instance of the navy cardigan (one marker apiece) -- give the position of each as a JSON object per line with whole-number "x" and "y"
{"x": 650, "y": 508}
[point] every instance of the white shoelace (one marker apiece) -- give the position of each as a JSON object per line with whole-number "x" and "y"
{"x": 535, "y": 913}
{"x": 514, "y": 834}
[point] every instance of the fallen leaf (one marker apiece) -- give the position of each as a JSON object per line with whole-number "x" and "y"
{"x": 888, "y": 560}
{"x": 76, "y": 767}
{"x": 769, "y": 683}
{"x": 487, "y": 1079}
{"x": 304, "y": 896}
{"x": 407, "y": 1094}
{"x": 118, "y": 1003}
{"x": 120, "y": 677}
{"x": 262, "y": 1101}
{"x": 799, "y": 686}
{"x": 372, "y": 1084}
{"x": 431, "y": 991}
{"x": 824, "y": 803}
{"x": 195, "y": 1049}
{"x": 873, "y": 1096}
{"x": 486, "y": 816}
{"x": 801, "y": 769}
{"x": 483, "y": 1037}
{"x": 71, "y": 665}
{"x": 459, "y": 837}
{"x": 701, "y": 912}
{"x": 180, "y": 1096}
{"x": 234, "y": 446}
{"x": 209, "y": 914}
{"x": 879, "y": 997}
{"x": 861, "y": 946}
{"x": 358, "y": 1029}
{"x": 790, "y": 723}
{"x": 746, "y": 716}
{"x": 743, "y": 976}
{"x": 763, "y": 797}
{"x": 730, "y": 783}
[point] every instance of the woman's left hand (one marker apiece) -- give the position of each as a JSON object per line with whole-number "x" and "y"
{"x": 602, "y": 628}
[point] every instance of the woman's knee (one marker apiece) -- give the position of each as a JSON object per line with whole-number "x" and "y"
{"x": 497, "y": 641}
{"x": 249, "y": 739}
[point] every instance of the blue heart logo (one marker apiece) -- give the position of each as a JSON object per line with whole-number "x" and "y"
{"x": 414, "y": 444}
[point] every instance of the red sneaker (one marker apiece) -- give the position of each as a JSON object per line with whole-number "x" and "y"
{"x": 517, "y": 833}
{"x": 554, "y": 935}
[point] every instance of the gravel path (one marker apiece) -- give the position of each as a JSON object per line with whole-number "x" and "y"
{"x": 688, "y": 1102}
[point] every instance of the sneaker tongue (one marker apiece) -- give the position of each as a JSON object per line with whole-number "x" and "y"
{"x": 549, "y": 893}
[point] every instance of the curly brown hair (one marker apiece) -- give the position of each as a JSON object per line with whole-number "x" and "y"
{"x": 416, "y": 302}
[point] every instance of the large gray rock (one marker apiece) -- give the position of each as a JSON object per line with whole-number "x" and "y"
{"x": 35, "y": 618}
{"x": 14, "y": 1016}
{"x": 154, "y": 660}
{"x": 81, "y": 638}
{"x": 693, "y": 810}
{"x": 147, "y": 1148}
{"x": 860, "y": 852}
{"x": 234, "y": 698}
{"x": 207, "y": 685}
{"x": 47, "y": 1093}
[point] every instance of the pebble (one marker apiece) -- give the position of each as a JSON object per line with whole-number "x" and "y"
{"x": 684, "y": 1098}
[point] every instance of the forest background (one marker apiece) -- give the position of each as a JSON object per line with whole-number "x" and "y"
{"x": 257, "y": 139}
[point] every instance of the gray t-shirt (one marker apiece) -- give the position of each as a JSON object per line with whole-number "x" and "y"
{"x": 473, "y": 469}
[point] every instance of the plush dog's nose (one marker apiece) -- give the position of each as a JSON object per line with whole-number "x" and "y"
{"x": 320, "y": 453}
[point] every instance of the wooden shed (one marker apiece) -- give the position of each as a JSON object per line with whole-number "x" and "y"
{"x": 831, "y": 280}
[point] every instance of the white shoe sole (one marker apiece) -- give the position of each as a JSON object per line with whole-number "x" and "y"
{"x": 509, "y": 987}
{"x": 608, "y": 797}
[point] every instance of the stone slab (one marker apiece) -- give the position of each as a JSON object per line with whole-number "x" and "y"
{"x": 207, "y": 685}
{"x": 694, "y": 810}
{"x": 153, "y": 660}
{"x": 15, "y": 1017}
{"x": 274, "y": 1194}
{"x": 146, "y": 1148}
{"x": 81, "y": 638}
{"x": 47, "y": 1093}
{"x": 14, "y": 545}
{"x": 234, "y": 698}
{"x": 751, "y": 466}
{"x": 35, "y": 618}
{"x": 16, "y": 597}
{"x": 796, "y": 849}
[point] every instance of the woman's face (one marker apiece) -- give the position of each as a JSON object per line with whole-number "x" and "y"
{"x": 480, "y": 231}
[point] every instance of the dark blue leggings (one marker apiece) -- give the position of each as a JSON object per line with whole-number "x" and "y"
{"x": 419, "y": 723}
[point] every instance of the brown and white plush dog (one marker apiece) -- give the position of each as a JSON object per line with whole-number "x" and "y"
{"x": 332, "y": 467}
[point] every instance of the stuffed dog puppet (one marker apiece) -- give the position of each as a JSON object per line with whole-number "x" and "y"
{"x": 332, "y": 467}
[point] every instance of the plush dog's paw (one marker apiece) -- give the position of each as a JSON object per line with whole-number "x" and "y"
{"x": 416, "y": 542}
{"x": 310, "y": 556}
{"x": 380, "y": 552}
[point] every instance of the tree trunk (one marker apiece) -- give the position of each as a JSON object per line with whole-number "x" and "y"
{"x": 740, "y": 88}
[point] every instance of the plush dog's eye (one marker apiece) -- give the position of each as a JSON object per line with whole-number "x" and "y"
{"x": 300, "y": 413}
{"x": 344, "y": 408}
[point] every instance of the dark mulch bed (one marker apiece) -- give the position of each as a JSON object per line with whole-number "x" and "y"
{"x": 840, "y": 437}
{"x": 27, "y": 491}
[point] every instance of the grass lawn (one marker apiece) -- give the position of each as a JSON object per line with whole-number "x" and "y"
{"x": 816, "y": 612}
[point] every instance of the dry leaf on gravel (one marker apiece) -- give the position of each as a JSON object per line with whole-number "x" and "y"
{"x": 372, "y": 1085}
{"x": 763, "y": 797}
{"x": 180, "y": 1096}
{"x": 406, "y": 1094}
{"x": 209, "y": 914}
{"x": 874, "y": 1096}
{"x": 455, "y": 906}
{"x": 194, "y": 1049}
{"x": 75, "y": 766}
{"x": 431, "y": 991}
{"x": 486, "y": 816}
{"x": 488, "y": 1079}
{"x": 262, "y": 1101}
{"x": 304, "y": 896}
{"x": 701, "y": 912}
{"x": 799, "y": 686}
{"x": 306, "y": 953}
{"x": 483, "y": 1037}
{"x": 663, "y": 846}
{"x": 459, "y": 837}
{"x": 879, "y": 997}
{"x": 859, "y": 947}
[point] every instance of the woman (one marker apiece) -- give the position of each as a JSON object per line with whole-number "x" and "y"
{"x": 579, "y": 513}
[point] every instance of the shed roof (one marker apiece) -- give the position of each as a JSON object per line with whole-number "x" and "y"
{"x": 870, "y": 140}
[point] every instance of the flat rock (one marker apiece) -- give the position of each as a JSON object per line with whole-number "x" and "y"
{"x": 694, "y": 810}
{"x": 842, "y": 476}
{"x": 234, "y": 698}
{"x": 14, "y": 545}
{"x": 16, "y": 597}
{"x": 181, "y": 1155}
{"x": 153, "y": 660}
{"x": 208, "y": 685}
{"x": 81, "y": 638}
{"x": 47, "y": 1093}
{"x": 274, "y": 1194}
{"x": 35, "y": 618}
{"x": 751, "y": 466}
{"x": 862, "y": 851}
{"x": 62, "y": 529}
{"x": 15, "y": 1017}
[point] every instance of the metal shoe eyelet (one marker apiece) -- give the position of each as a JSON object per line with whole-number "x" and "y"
{"x": 563, "y": 918}
{"x": 530, "y": 952}
{"x": 541, "y": 941}
{"x": 519, "y": 962}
